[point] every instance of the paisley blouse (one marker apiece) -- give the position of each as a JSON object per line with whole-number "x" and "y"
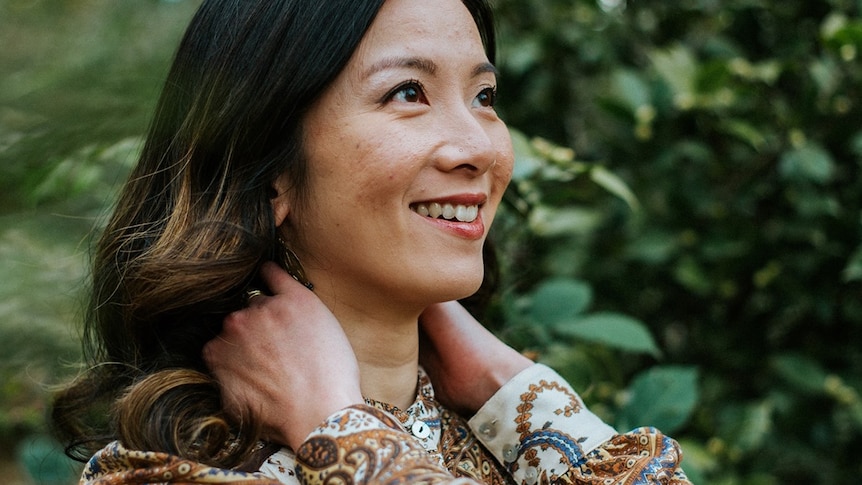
{"x": 534, "y": 430}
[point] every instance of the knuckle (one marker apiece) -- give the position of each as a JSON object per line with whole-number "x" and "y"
{"x": 232, "y": 322}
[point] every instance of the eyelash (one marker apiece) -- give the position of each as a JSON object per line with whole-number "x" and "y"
{"x": 413, "y": 83}
{"x": 490, "y": 92}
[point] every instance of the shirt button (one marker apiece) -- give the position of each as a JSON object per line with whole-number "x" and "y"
{"x": 510, "y": 453}
{"x": 420, "y": 429}
{"x": 488, "y": 430}
{"x": 531, "y": 475}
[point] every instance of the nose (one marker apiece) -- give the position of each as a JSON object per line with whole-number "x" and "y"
{"x": 466, "y": 143}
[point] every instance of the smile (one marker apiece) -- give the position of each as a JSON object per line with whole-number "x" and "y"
{"x": 434, "y": 210}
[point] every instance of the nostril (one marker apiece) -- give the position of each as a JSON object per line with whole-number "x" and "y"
{"x": 467, "y": 166}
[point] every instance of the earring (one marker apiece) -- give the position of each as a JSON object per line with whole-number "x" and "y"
{"x": 291, "y": 264}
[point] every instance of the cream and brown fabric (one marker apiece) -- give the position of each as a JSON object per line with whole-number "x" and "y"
{"x": 535, "y": 430}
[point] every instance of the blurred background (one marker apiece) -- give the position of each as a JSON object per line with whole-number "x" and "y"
{"x": 682, "y": 238}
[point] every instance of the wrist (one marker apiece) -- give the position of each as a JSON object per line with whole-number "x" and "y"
{"x": 503, "y": 372}
{"x": 315, "y": 413}
{"x": 499, "y": 374}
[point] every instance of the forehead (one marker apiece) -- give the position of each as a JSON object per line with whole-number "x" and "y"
{"x": 420, "y": 27}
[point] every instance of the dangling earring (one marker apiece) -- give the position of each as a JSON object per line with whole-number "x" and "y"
{"x": 291, "y": 264}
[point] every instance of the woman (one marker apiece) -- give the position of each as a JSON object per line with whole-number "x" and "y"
{"x": 362, "y": 141}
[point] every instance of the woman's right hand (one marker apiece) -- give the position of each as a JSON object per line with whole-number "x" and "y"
{"x": 285, "y": 359}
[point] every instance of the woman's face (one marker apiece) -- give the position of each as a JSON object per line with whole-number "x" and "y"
{"x": 406, "y": 131}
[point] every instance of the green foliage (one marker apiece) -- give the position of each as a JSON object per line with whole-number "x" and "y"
{"x": 736, "y": 125}
{"x": 549, "y": 316}
{"x": 687, "y": 251}
{"x": 611, "y": 329}
{"x": 45, "y": 463}
{"x": 77, "y": 84}
{"x": 556, "y": 310}
{"x": 663, "y": 397}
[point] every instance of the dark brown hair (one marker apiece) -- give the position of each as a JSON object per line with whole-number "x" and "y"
{"x": 194, "y": 221}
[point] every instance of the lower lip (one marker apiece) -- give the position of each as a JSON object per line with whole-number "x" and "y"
{"x": 466, "y": 230}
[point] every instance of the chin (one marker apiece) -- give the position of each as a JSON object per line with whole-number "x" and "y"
{"x": 460, "y": 287}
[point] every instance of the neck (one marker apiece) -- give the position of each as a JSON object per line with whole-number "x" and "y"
{"x": 386, "y": 345}
{"x": 388, "y": 364}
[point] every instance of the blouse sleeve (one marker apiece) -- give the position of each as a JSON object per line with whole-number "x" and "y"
{"x": 539, "y": 428}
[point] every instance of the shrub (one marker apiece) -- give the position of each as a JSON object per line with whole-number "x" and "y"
{"x": 736, "y": 127}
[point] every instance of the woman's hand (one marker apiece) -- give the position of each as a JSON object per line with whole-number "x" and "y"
{"x": 465, "y": 361}
{"x": 285, "y": 359}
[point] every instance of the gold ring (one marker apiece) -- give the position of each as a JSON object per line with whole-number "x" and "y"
{"x": 249, "y": 294}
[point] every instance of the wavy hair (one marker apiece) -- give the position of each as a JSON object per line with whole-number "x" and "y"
{"x": 194, "y": 222}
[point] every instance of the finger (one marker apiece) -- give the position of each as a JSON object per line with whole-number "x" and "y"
{"x": 277, "y": 279}
{"x": 210, "y": 354}
{"x": 253, "y": 294}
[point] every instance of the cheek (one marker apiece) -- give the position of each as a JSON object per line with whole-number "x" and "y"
{"x": 340, "y": 169}
{"x": 502, "y": 171}
{"x": 369, "y": 172}
{"x": 386, "y": 167}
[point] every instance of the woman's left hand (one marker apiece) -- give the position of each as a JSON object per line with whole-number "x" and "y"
{"x": 466, "y": 362}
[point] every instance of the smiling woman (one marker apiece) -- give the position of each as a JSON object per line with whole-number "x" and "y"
{"x": 361, "y": 139}
{"x": 408, "y": 124}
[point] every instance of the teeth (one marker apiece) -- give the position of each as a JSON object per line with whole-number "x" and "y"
{"x": 435, "y": 210}
{"x": 462, "y": 213}
{"x": 448, "y": 211}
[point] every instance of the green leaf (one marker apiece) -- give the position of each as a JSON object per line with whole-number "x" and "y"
{"x": 678, "y": 67}
{"x": 609, "y": 181}
{"x": 654, "y": 247}
{"x": 856, "y": 144}
{"x": 629, "y": 89}
{"x": 574, "y": 364}
{"x": 801, "y": 372}
{"x": 689, "y": 273}
{"x": 810, "y": 162}
{"x": 699, "y": 461}
{"x": 612, "y": 329}
{"x": 549, "y": 221}
{"x": 746, "y": 427}
{"x": 848, "y": 34}
{"x": 853, "y": 270}
{"x": 663, "y": 397}
{"x": 527, "y": 162}
{"x": 746, "y": 132}
{"x": 559, "y": 299}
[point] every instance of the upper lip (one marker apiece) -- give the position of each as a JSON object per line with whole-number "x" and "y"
{"x": 457, "y": 199}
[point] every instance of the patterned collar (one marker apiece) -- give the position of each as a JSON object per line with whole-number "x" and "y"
{"x": 422, "y": 418}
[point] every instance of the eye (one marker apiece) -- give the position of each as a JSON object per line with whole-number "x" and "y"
{"x": 408, "y": 92}
{"x": 486, "y": 98}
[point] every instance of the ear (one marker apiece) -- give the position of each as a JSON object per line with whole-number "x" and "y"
{"x": 281, "y": 202}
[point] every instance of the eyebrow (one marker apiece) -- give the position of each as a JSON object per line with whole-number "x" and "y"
{"x": 485, "y": 67}
{"x": 422, "y": 64}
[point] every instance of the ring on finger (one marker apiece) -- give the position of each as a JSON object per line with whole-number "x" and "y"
{"x": 252, "y": 293}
